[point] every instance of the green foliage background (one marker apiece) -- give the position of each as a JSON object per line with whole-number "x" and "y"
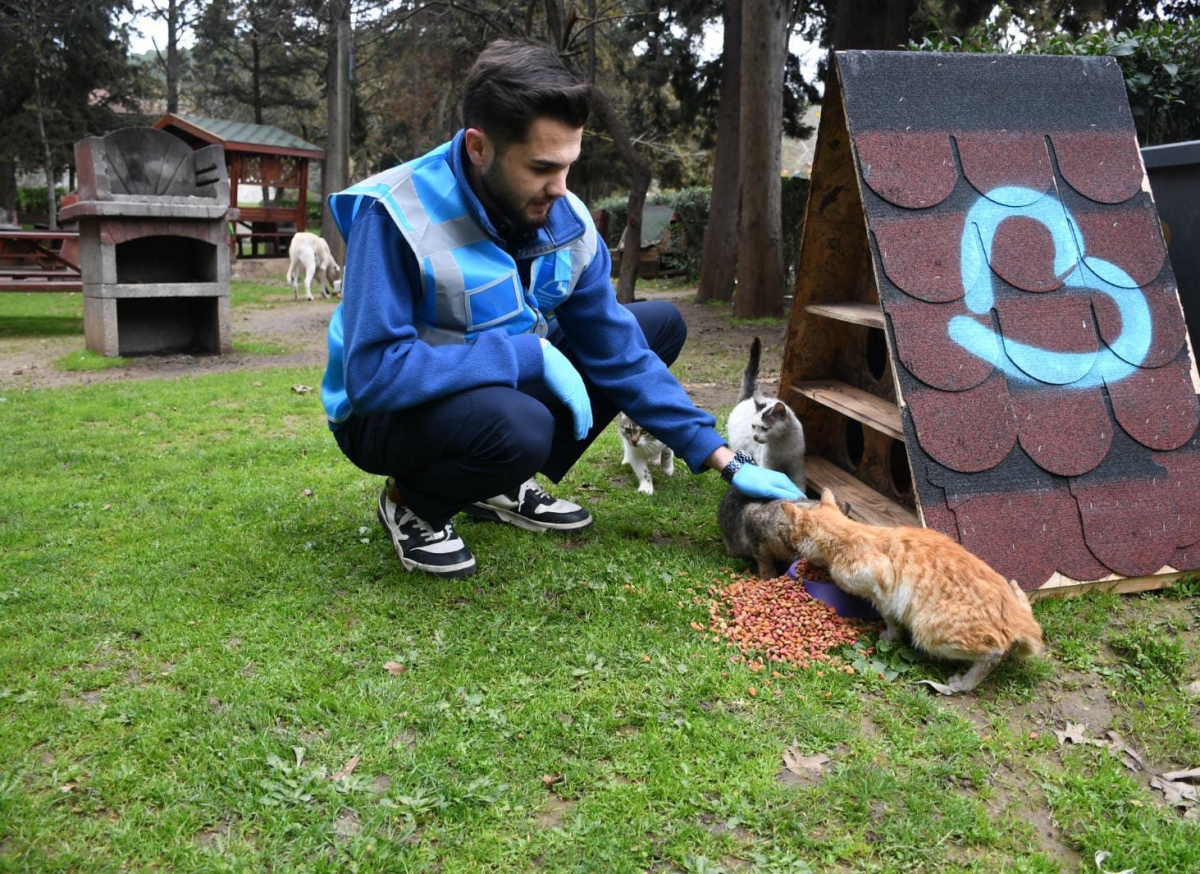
{"x": 1159, "y": 59}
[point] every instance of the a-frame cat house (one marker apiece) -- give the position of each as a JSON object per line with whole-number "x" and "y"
{"x": 986, "y": 336}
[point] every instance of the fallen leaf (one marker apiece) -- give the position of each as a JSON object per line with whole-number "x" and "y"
{"x": 549, "y": 780}
{"x": 346, "y": 770}
{"x": 307, "y": 493}
{"x": 1192, "y": 774}
{"x": 1130, "y": 757}
{"x": 1175, "y": 794}
{"x": 395, "y": 668}
{"x": 1073, "y": 733}
{"x": 802, "y": 765}
{"x": 302, "y": 389}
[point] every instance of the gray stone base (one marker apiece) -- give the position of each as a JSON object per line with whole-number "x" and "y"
{"x": 125, "y": 326}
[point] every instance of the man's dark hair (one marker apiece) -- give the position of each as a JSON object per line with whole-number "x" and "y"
{"x": 512, "y": 83}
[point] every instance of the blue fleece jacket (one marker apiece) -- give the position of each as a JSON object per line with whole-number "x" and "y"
{"x": 384, "y": 367}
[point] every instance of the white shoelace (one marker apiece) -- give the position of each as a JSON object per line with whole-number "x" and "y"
{"x": 433, "y": 535}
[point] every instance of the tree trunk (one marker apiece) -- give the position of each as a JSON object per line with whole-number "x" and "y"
{"x": 47, "y": 159}
{"x": 765, "y": 25}
{"x": 718, "y": 263}
{"x": 8, "y": 191}
{"x": 639, "y": 184}
{"x": 173, "y": 26}
{"x": 639, "y": 168}
{"x": 332, "y": 177}
{"x": 256, "y": 86}
{"x": 872, "y": 24}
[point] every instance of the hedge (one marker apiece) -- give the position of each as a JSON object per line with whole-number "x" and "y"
{"x": 32, "y": 201}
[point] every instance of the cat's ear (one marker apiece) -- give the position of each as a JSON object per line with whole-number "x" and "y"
{"x": 792, "y": 511}
{"x": 827, "y": 499}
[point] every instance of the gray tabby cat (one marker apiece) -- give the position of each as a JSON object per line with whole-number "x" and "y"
{"x": 766, "y": 427}
{"x": 758, "y": 530}
{"x": 641, "y": 450}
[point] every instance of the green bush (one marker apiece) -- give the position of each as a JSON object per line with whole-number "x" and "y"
{"x": 32, "y": 201}
{"x": 1160, "y": 61}
{"x": 691, "y": 211}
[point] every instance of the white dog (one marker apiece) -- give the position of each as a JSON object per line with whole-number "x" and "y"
{"x": 313, "y": 253}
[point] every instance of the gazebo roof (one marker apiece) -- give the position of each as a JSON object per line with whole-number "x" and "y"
{"x": 240, "y": 136}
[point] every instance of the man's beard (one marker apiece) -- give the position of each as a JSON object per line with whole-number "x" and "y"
{"x": 508, "y": 202}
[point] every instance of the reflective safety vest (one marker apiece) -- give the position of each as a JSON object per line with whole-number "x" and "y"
{"x": 469, "y": 283}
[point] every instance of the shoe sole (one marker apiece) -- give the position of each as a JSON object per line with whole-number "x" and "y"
{"x": 462, "y": 569}
{"x": 509, "y": 517}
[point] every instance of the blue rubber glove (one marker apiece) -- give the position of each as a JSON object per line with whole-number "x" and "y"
{"x": 567, "y": 385}
{"x": 760, "y": 482}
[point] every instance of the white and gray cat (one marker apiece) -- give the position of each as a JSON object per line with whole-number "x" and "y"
{"x": 643, "y": 449}
{"x": 766, "y": 427}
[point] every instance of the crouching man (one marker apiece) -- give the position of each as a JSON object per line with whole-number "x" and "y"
{"x": 479, "y": 340}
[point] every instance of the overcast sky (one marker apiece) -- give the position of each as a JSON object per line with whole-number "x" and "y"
{"x": 153, "y": 29}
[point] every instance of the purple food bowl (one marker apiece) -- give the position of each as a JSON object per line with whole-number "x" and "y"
{"x": 843, "y": 603}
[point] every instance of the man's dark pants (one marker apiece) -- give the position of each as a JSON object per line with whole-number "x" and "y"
{"x": 452, "y": 452}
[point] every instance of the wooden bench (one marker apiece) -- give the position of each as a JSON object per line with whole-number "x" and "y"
{"x": 39, "y": 260}
{"x": 270, "y": 229}
{"x": 274, "y": 243}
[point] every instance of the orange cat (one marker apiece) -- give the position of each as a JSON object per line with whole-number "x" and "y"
{"x": 953, "y": 604}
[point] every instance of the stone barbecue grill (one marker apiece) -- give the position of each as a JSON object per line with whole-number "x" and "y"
{"x": 154, "y": 244}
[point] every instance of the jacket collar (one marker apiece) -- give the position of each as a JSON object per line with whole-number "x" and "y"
{"x": 562, "y": 227}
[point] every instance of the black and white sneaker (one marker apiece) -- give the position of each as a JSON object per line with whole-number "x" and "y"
{"x": 422, "y": 547}
{"x": 529, "y": 506}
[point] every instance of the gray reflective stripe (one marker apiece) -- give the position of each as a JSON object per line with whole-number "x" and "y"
{"x": 381, "y": 187}
{"x": 584, "y": 248}
{"x": 451, "y": 308}
{"x": 581, "y": 256}
{"x": 440, "y": 336}
{"x": 412, "y": 218}
{"x": 426, "y": 237}
{"x": 435, "y": 239}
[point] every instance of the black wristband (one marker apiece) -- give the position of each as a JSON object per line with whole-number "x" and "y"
{"x": 735, "y": 464}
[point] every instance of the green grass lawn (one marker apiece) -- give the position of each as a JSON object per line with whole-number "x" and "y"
{"x": 211, "y": 660}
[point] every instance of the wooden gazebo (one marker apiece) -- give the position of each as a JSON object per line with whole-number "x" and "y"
{"x": 255, "y": 154}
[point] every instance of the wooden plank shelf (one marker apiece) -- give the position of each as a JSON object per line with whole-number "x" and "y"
{"x": 862, "y": 502}
{"x": 868, "y": 314}
{"x": 872, "y": 411}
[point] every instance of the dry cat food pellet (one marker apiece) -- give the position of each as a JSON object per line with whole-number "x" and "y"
{"x": 777, "y": 621}
{"x": 805, "y": 570}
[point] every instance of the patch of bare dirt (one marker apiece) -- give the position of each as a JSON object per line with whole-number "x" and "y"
{"x": 295, "y": 326}
{"x": 298, "y": 328}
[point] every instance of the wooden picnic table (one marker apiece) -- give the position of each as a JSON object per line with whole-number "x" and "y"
{"x": 39, "y": 260}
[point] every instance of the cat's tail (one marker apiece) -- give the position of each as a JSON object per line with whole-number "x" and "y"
{"x": 750, "y": 374}
{"x": 1027, "y": 639}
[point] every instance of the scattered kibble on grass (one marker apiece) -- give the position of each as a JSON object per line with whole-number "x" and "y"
{"x": 777, "y": 621}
